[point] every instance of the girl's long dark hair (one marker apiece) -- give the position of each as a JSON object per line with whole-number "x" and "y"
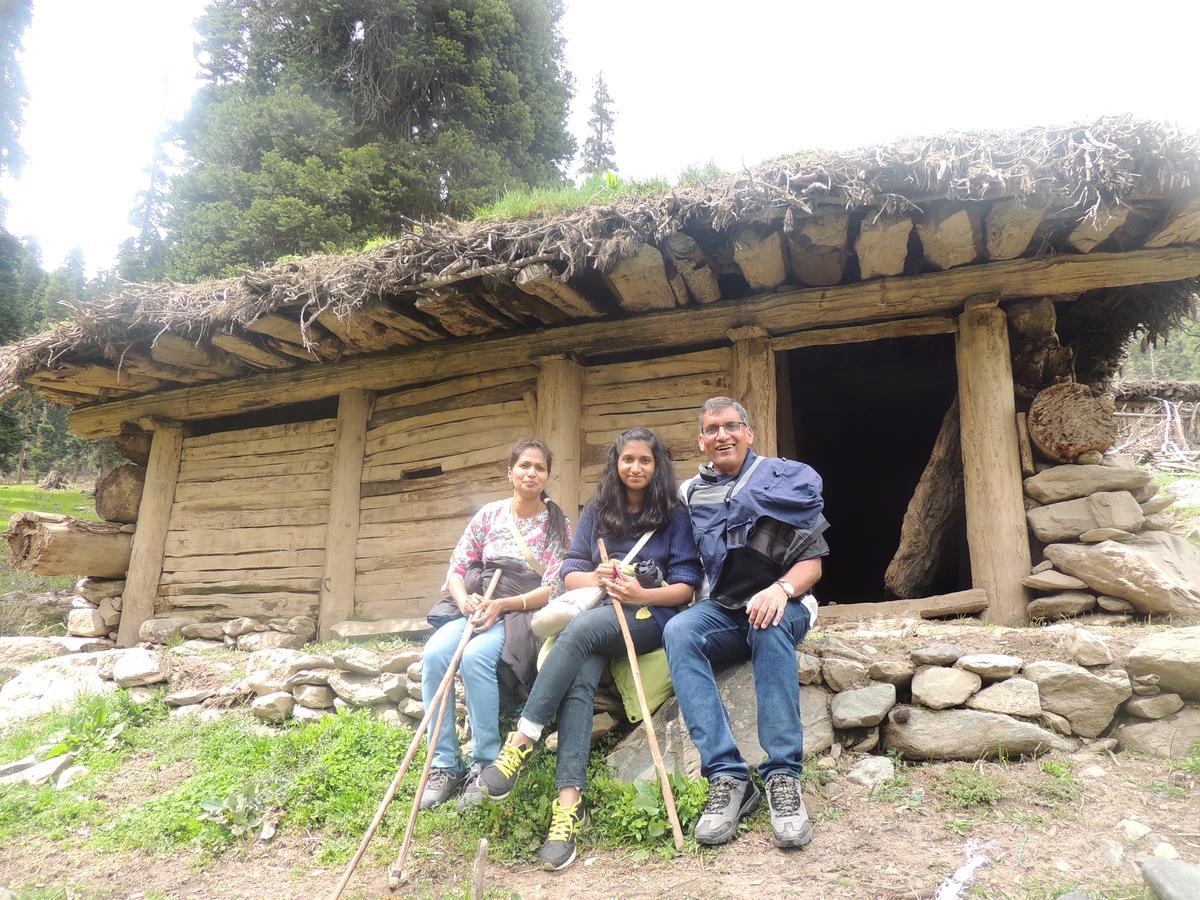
{"x": 660, "y": 499}
{"x": 556, "y": 519}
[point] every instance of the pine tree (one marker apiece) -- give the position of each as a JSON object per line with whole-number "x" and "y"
{"x": 598, "y": 149}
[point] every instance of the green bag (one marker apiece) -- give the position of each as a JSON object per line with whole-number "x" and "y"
{"x": 656, "y": 679}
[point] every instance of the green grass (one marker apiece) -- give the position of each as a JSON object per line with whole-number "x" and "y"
{"x": 1057, "y": 784}
{"x": 1191, "y": 762}
{"x": 965, "y": 787}
{"x": 549, "y": 201}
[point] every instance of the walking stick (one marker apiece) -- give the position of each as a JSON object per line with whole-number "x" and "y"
{"x": 651, "y": 737}
{"x": 434, "y": 707}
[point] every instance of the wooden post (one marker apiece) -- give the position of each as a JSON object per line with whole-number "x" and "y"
{"x": 996, "y": 531}
{"x": 150, "y": 539}
{"x": 337, "y": 585}
{"x": 559, "y": 410}
{"x": 752, "y": 383}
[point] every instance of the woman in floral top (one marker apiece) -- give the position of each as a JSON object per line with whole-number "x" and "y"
{"x": 501, "y": 623}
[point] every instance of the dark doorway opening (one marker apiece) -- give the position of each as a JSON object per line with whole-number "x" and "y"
{"x": 865, "y": 416}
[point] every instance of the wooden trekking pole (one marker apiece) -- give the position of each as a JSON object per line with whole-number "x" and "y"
{"x": 651, "y": 737}
{"x": 396, "y": 874}
{"x": 435, "y": 706}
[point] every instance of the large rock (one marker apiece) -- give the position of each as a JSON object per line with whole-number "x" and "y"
{"x": 1157, "y": 707}
{"x": 991, "y": 666}
{"x": 1060, "y": 606}
{"x": 863, "y": 707}
{"x": 86, "y": 622}
{"x": 267, "y": 671}
{"x": 40, "y": 773}
{"x": 205, "y": 631}
{"x": 415, "y": 628}
{"x": 631, "y": 758}
{"x": 844, "y": 674}
{"x": 919, "y": 733}
{"x": 356, "y": 659}
{"x": 894, "y": 671}
{"x": 139, "y": 667}
{"x": 937, "y": 655}
{"x": 50, "y": 684}
{"x": 1014, "y": 697}
{"x": 1052, "y": 580}
{"x": 1171, "y": 879}
{"x": 313, "y": 696}
{"x": 1067, "y": 482}
{"x": 18, "y": 652}
{"x": 270, "y": 640}
{"x": 1172, "y": 737}
{"x": 164, "y": 628}
{"x": 355, "y": 689}
{"x": 939, "y": 687}
{"x": 1158, "y": 572}
{"x": 273, "y": 707}
{"x": 1174, "y": 656}
{"x": 1088, "y": 649}
{"x": 395, "y": 663}
{"x": 1088, "y": 700}
{"x": 1067, "y": 520}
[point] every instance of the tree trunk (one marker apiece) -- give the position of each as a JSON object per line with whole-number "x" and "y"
{"x": 50, "y": 544}
{"x": 119, "y": 492}
{"x": 1065, "y": 420}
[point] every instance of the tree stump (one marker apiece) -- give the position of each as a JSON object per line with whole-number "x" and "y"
{"x": 119, "y": 493}
{"x": 1066, "y": 420}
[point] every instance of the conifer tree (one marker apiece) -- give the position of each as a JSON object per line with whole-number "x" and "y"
{"x": 598, "y": 149}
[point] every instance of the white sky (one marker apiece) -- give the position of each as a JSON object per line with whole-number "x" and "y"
{"x": 692, "y": 80}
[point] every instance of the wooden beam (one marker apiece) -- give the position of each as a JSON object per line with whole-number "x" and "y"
{"x": 752, "y": 383}
{"x": 778, "y": 313}
{"x": 360, "y": 333}
{"x": 337, "y": 584}
{"x": 460, "y": 314}
{"x": 960, "y": 603}
{"x": 250, "y": 352}
{"x": 559, "y": 406}
{"x": 1024, "y": 447}
{"x": 817, "y": 248}
{"x": 858, "y": 334}
{"x": 641, "y": 281}
{"x": 761, "y": 257}
{"x": 1009, "y": 227}
{"x": 150, "y": 539}
{"x": 997, "y": 534}
{"x": 882, "y": 246}
{"x": 1091, "y": 232}
{"x": 541, "y": 281}
{"x": 693, "y": 266}
{"x": 129, "y": 358}
{"x": 949, "y": 235}
{"x": 401, "y": 321}
{"x": 91, "y": 378}
{"x": 287, "y": 330}
{"x": 173, "y": 350}
{"x": 1181, "y": 226}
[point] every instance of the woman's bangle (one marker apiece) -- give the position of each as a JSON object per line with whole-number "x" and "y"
{"x": 524, "y": 601}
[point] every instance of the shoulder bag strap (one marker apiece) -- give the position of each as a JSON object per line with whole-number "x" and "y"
{"x": 529, "y": 557}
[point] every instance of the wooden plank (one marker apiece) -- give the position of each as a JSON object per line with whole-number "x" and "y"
{"x": 399, "y": 320}
{"x": 857, "y": 334}
{"x": 1181, "y": 226}
{"x": 471, "y": 439}
{"x": 360, "y": 333}
{"x": 291, "y": 444}
{"x": 418, "y": 511}
{"x": 641, "y": 281}
{"x": 960, "y": 603}
{"x": 240, "y": 487}
{"x": 318, "y": 432}
{"x": 249, "y": 352}
{"x": 761, "y": 257}
{"x": 407, "y": 587}
{"x": 652, "y": 419}
{"x": 452, "y": 389}
{"x": 130, "y": 358}
{"x": 199, "y": 471}
{"x": 433, "y": 530}
{"x": 173, "y": 350}
{"x": 686, "y": 403}
{"x": 1091, "y": 232}
{"x": 150, "y": 539}
{"x": 491, "y": 484}
{"x": 231, "y": 606}
{"x": 882, "y": 246}
{"x": 781, "y": 312}
{"x": 709, "y": 384}
{"x": 694, "y": 266}
{"x": 247, "y": 576}
{"x": 817, "y": 248}
{"x": 1009, "y": 227}
{"x": 245, "y": 540}
{"x": 391, "y": 609}
{"x": 496, "y": 455}
{"x": 460, "y": 314}
{"x": 702, "y": 362}
{"x": 448, "y": 424}
{"x": 337, "y": 584}
{"x": 559, "y": 403}
{"x": 241, "y": 586}
{"x": 997, "y": 534}
{"x": 442, "y": 538}
{"x": 271, "y": 559}
{"x": 950, "y": 235}
{"x": 683, "y": 432}
{"x": 91, "y": 377}
{"x": 432, "y": 573}
{"x": 249, "y": 518}
{"x": 285, "y": 499}
{"x": 541, "y": 281}
{"x": 402, "y": 560}
{"x": 752, "y": 383}
{"x": 287, "y": 330}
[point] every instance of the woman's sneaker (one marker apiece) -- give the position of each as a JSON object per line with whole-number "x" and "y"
{"x": 565, "y": 821}
{"x": 470, "y": 795}
{"x": 441, "y": 786}
{"x": 496, "y": 781}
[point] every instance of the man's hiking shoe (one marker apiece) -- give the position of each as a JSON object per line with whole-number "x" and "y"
{"x": 497, "y": 780}
{"x": 470, "y": 795}
{"x": 441, "y": 786}
{"x": 789, "y": 819}
{"x": 559, "y": 850}
{"x": 729, "y": 801}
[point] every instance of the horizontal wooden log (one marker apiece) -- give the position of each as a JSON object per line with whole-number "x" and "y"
{"x": 485, "y": 481}
{"x": 50, "y": 544}
{"x": 137, "y": 361}
{"x": 239, "y": 487}
{"x": 420, "y": 511}
{"x": 399, "y": 318}
{"x": 439, "y": 541}
{"x": 249, "y": 518}
{"x": 406, "y": 588}
{"x": 305, "y": 434}
{"x": 652, "y": 419}
{"x": 541, "y": 281}
{"x": 250, "y": 353}
{"x": 641, "y": 281}
{"x": 245, "y": 540}
{"x": 282, "y": 500}
{"x": 241, "y": 586}
{"x": 709, "y": 384}
{"x": 232, "y": 606}
{"x": 448, "y": 424}
{"x": 436, "y": 530}
{"x": 781, "y": 312}
{"x": 461, "y": 314}
{"x": 93, "y": 378}
{"x": 857, "y": 334}
{"x": 402, "y": 560}
{"x": 412, "y": 451}
{"x": 451, "y": 392}
{"x": 173, "y": 350}
{"x": 360, "y": 333}
{"x": 882, "y": 246}
{"x": 392, "y": 609}
{"x": 960, "y": 603}
{"x": 702, "y": 362}
{"x": 272, "y": 559}
{"x": 230, "y": 576}
{"x": 423, "y": 574}
{"x": 1008, "y": 228}
{"x": 496, "y": 456}
{"x": 222, "y": 470}
{"x": 694, "y": 266}
{"x": 687, "y": 406}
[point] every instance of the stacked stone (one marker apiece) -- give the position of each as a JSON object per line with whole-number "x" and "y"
{"x": 1107, "y": 543}
{"x": 96, "y": 608}
{"x": 244, "y": 633}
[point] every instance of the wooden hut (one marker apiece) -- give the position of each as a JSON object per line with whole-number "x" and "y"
{"x": 322, "y": 429}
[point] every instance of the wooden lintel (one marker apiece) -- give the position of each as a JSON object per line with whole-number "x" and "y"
{"x": 960, "y": 603}
{"x": 779, "y": 313}
{"x": 857, "y": 334}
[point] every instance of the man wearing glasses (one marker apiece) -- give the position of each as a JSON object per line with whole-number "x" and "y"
{"x": 758, "y": 523}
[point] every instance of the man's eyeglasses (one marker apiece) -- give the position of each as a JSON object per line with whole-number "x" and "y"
{"x": 730, "y": 428}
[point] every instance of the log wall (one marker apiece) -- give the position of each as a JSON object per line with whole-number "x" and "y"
{"x": 247, "y": 529}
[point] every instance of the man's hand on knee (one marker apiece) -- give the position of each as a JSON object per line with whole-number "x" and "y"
{"x": 766, "y": 608}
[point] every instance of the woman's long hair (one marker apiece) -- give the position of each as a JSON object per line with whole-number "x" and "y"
{"x": 556, "y": 519}
{"x": 660, "y": 499}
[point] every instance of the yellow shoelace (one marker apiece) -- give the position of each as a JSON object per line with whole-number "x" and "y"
{"x": 564, "y": 820}
{"x": 511, "y": 757}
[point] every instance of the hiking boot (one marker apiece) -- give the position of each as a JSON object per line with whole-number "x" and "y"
{"x": 497, "y": 780}
{"x": 789, "y": 819}
{"x": 470, "y": 795}
{"x": 441, "y": 786}
{"x": 729, "y": 801}
{"x": 565, "y": 821}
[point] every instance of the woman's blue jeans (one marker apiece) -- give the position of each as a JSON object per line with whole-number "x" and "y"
{"x": 481, "y": 681}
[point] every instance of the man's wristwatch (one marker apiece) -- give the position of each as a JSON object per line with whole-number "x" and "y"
{"x": 787, "y": 588}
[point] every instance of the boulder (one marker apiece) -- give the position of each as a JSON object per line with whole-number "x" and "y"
{"x": 18, "y": 652}
{"x": 356, "y": 659}
{"x": 1156, "y": 707}
{"x": 412, "y": 708}
{"x": 1088, "y": 700}
{"x": 938, "y": 655}
{"x": 939, "y": 687}
{"x": 1171, "y": 879}
{"x": 307, "y": 662}
{"x": 808, "y": 667}
{"x": 139, "y": 667}
{"x": 319, "y": 677}
{"x": 1173, "y": 656}
{"x": 918, "y": 733}
{"x": 1158, "y": 572}
{"x": 110, "y": 612}
{"x": 631, "y": 759}
{"x": 863, "y": 707}
{"x": 991, "y": 666}
{"x": 1052, "y": 580}
{"x": 356, "y": 689}
{"x": 86, "y": 622}
{"x": 270, "y": 640}
{"x": 844, "y": 674}
{"x": 164, "y": 628}
{"x": 395, "y": 687}
{"x": 1060, "y": 606}
{"x": 205, "y": 631}
{"x": 395, "y": 663}
{"x": 43, "y": 686}
{"x": 96, "y": 589}
{"x": 1087, "y": 649}
{"x": 273, "y": 707}
{"x": 1067, "y": 520}
{"x": 1171, "y": 737}
{"x": 1013, "y": 697}
{"x": 1067, "y": 482}
{"x": 894, "y": 671}
{"x": 267, "y": 671}
{"x": 313, "y": 696}
{"x": 303, "y": 626}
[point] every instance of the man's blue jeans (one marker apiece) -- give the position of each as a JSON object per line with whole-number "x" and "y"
{"x": 709, "y": 635}
{"x": 481, "y": 681}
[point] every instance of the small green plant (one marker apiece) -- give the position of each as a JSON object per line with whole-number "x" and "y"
{"x": 98, "y": 723}
{"x": 1190, "y": 763}
{"x": 964, "y": 787}
{"x": 959, "y": 826}
{"x": 240, "y": 813}
{"x": 1163, "y": 789}
{"x": 1057, "y": 785}
{"x": 1028, "y": 819}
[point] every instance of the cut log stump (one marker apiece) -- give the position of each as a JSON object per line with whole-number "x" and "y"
{"x": 50, "y": 544}
{"x": 119, "y": 493}
{"x": 1066, "y": 420}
